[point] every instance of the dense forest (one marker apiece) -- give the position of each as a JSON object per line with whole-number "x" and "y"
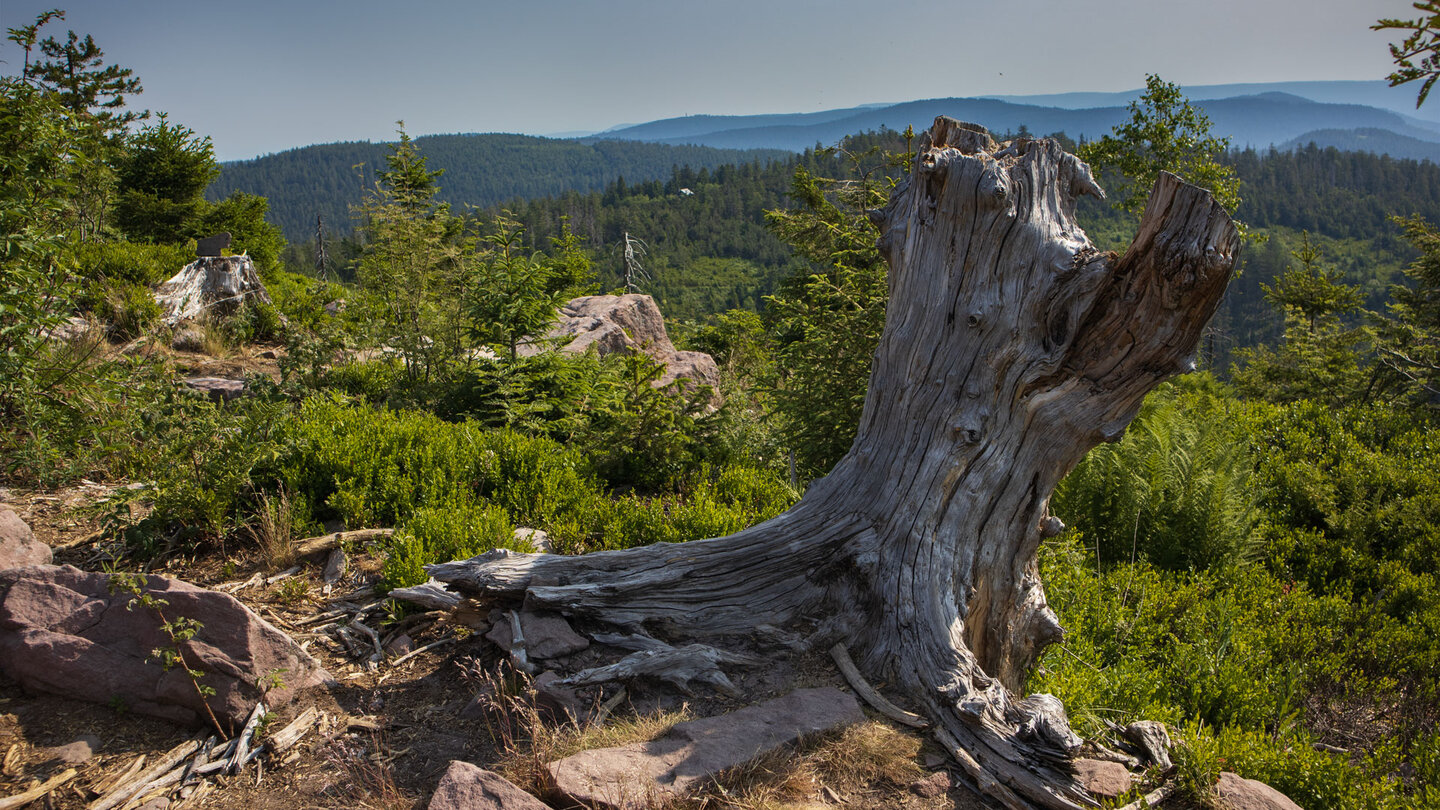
{"x": 1252, "y": 563}
{"x": 480, "y": 170}
{"x": 710, "y": 251}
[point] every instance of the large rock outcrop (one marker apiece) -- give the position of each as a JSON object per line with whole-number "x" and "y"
{"x": 210, "y": 284}
{"x": 619, "y": 323}
{"x": 77, "y": 634}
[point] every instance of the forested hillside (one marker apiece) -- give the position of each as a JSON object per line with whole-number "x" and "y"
{"x": 479, "y": 170}
{"x": 710, "y": 251}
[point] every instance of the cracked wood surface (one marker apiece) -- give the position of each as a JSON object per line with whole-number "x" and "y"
{"x": 1011, "y": 347}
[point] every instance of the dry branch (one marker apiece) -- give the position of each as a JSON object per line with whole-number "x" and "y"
{"x": 39, "y": 791}
{"x": 326, "y": 542}
{"x": 868, "y": 693}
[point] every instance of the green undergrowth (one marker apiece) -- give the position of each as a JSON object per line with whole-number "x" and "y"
{"x": 451, "y": 489}
{"x": 1260, "y": 576}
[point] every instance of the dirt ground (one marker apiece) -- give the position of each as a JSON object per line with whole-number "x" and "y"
{"x": 389, "y": 733}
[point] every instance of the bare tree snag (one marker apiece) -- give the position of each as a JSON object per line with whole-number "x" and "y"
{"x": 1011, "y": 347}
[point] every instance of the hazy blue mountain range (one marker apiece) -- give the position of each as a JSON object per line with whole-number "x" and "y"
{"x": 1258, "y": 119}
{"x": 1368, "y": 93}
{"x": 1379, "y": 141}
{"x": 480, "y": 169}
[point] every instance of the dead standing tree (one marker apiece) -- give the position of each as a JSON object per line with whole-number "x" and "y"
{"x": 1011, "y": 347}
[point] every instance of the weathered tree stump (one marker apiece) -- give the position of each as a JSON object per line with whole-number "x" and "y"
{"x": 1011, "y": 347}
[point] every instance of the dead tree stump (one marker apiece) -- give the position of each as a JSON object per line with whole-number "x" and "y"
{"x": 1011, "y": 347}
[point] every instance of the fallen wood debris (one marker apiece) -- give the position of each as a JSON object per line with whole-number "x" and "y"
{"x": 868, "y": 693}
{"x": 39, "y": 791}
{"x": 326, "y": 542}
{"x": 1152, "y": 798}
{"x": 432, "y": 645}
{"x": 125, "y": 790}
{"x": 282, "y": 740}
{"x": 181, "y": 774}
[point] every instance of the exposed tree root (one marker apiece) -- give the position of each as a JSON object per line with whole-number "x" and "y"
{"x": 1011, "y": 348}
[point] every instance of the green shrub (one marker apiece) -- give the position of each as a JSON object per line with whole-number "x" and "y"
{"x": 444, "y": 532}
{"x": 130, "y": 263}
{"x": 1175, "y": 490}
{"x": 256, "y": 322}
{"x": 130, "y": 308}
{"x": 1290, "y": 764}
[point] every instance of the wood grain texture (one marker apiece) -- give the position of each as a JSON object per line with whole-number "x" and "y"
{"x": 1011, "y": 347}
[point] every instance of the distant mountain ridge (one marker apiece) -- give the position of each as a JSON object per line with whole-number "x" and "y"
{"x": 492, "y": 169}
{"x": 1259, "y": 119}
{"x": 1379, "y": 141}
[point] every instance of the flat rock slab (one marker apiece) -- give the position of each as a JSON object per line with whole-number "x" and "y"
{"x": 467, "y": 787}
{"x": 64, "y": 632}
{"x": 18, "y": 545}
{"x": 216, "y": 389}
{"x": 1102, "y": 778}
{"x": 546, "y": 635}
{"x": 629, "y": 777}
{"x": 1235, "y": 792}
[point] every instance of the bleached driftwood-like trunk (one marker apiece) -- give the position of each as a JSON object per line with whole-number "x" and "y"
{"x": 1011, "y": 347}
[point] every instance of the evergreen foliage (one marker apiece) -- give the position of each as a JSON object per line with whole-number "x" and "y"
{"x": 76, "y": 72}
{"x": 1417, "y": 57}
{"x": 162, "y": 178}
{"x": 1320, "y": 358}
{"x": 481, "y": 170}
{"x": 1409, "y": 346}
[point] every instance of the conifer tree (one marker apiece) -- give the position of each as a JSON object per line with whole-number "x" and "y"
{"x": 76, "y": 70}
{"x": 1409, "y": 341}
{"x": 1320, "y": 358}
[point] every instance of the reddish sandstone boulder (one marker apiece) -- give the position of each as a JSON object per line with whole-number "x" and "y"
{"x": 81, "y": 635}
{"x": 1235, "y": 792}
{"x": 18, "y": 545}
{"x": 632, "y": 777}
{"x": 467, "y": 787}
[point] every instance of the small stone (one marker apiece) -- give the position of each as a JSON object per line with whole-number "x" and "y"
{"x": 157, "y": 803}
{"x": 269, "y": 354}
{"x": 1152, "y": 738}
{"x": 1235, "y": 792}
{"x": 335, "y": 307}
{"x": 538, "y": 539}
{"x": 932, "y": 786}
{"x": 212, "y": 245}
{"x": 400, "y": 644}
{"x": 75, "y": 753}
{"x": 1101, "y": 778}
{"x": 933, "y": 761}
{"x": 546, "y": 635}
{"x": 335, "y": 566}
{"x": 18, "y": 546}
{"x": 188, "y": 338}
{"x": 467, "y": 787}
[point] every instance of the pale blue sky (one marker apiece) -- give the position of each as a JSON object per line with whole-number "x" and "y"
{"x": 261, "y": 76}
